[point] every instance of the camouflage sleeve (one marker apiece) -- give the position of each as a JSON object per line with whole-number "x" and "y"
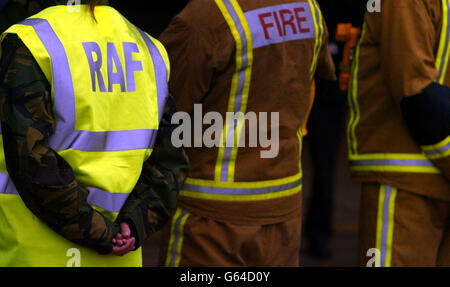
{"x": 153, "y": 201}
{"x": 44, "y": 180}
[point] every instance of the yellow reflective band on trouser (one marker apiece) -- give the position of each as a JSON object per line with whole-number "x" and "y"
{"x": 242, "y": 191}
{"x": 439, "y": 150}
{"x": 385, "y": 224}
{"x": 240, "y": 86}
{"x": 319, "y": 28}
{"x": 409, "y": 163}
{"x": 173, "y": 256}
{"x": 442, "y": 57}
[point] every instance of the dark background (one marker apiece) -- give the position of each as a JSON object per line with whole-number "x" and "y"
{"x": 151, "y": 16}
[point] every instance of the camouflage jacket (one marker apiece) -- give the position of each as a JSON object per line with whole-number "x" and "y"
{"x": 46, "y": 182}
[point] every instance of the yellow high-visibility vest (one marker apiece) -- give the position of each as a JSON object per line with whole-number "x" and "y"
{"x": 109, "y": 87}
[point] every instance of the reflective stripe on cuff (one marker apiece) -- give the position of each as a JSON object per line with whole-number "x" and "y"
{"x": 439, "y": 150}
{"x": 408, "y": 163}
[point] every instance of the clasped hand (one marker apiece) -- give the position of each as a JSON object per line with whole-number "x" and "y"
{"x": 123, "y": 242}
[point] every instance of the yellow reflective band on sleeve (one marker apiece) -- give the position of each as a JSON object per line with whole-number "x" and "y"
{"x": 240, "y": 86}
{"x": 319, "y": 28}
{"x": 390, "y": 168}
{"x": 173, "y": 256}
{"x": 385, "y": 224}
{"x": 409, "y": 163}
{"x": 353, "y": 99}
{"x": 439, "y": 150}
{"x": 442, "y": 57}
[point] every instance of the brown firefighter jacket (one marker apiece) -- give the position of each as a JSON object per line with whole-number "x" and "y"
{"x": 403, "y": 49}
{"x": 252, "y": 57}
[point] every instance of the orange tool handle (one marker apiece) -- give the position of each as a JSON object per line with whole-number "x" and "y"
{"x": 349, "y": 35}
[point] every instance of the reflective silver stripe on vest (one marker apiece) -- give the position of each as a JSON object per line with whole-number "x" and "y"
{"x": 160, "y": 73}
{"x": 109, "y": 201}
{"x": 66, "y": 137}
{"x": 242, "y": 191}
{"x": 6, "y": 185}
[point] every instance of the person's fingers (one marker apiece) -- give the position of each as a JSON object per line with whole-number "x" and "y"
{"x": 117, "y": 244}
{"x": 133, "y": 242}
{"x": 119, "y": 239}
{"x": 116, "y": 249}
{"x": 125, "y": 230}
{"x": 128, "y": 246}
{"x": 120, "y": 250}
{"x": 133, "y": 246}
